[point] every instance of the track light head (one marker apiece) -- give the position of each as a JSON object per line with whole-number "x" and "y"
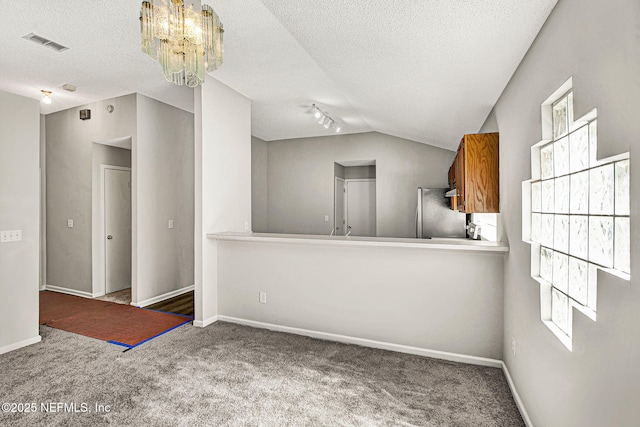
{"x": 316, "y": 111}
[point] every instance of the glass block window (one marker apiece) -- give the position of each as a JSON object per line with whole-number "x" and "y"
{"x": 579, "y": 214}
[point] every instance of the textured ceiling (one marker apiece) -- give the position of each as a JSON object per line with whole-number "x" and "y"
{"x": 426, "y": 70}
{"x": 104, "y": 59}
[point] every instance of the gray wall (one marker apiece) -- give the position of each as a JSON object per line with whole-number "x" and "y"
{"x": 301, "y": 180}
{"x": 393, "y": 295}
{"x": 360, "y": 172}
{"x": 162, "y": 182}
{"x": 259, "y": 190}
{"x": 223, "y": 183}
{"x": 19, "y": 210}
{"x": 164, "y": 189}
{"x": 69, "y": 172}
{"x": 598, "y": 383}
{"x": 43, "y": 202}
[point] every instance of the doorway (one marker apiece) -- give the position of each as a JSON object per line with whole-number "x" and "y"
{"x": 116, "y": 228}
{"x": 355, "y": 198}
{"x": 339, "y": 208}
{"x": 360, "y": 203}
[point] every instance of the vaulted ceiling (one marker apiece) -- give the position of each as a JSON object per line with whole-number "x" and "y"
{"x": 426, "y": 70}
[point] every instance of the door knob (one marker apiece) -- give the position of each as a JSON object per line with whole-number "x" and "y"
{"x": 349, "y": 227}
{"x": 109, "y": 237}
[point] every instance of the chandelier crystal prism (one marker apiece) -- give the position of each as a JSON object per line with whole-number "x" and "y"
{"x": 184, "y": 38}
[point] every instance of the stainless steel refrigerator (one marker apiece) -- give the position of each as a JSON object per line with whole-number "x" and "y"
{"x": 434, "y": 216}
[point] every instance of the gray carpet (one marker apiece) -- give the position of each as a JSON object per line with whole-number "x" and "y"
{"x": 227, "y": 374}
{"x": 119, "y": 297}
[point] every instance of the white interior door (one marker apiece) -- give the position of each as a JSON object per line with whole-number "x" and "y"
{"x": 361, "y": 207}
{"x": 338, "y": 213}
{"x": 117, "y": 216}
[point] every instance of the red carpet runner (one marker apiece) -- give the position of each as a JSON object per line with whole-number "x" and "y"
{"x": 119, "y": 324}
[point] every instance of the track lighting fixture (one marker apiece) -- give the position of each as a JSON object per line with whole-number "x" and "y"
{"x": 324, "y": 119}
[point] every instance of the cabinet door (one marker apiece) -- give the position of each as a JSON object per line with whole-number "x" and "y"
{"x": 453, "y": 200}
{"x": 452, "y": 175}
{"x": 461, "y": 177}
{"x": 482, "y": 191}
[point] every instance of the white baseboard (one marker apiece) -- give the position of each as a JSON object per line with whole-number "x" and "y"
{"x": 70, "y": 291}
{"x": 436, "y": 354}
{"x": 17, "y": 345}
{"x": 516, "y": 396}
{"x": 163, "y": 296}
{"x": 205, "y": 322}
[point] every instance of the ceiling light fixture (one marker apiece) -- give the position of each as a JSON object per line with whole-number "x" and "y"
{"x": 317, "y": 113}
{"x": 325, "y": 119}
{"x": 185, "y": 41}
{"x": 46, "y": 96}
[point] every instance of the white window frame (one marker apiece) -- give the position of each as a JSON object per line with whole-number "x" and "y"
{"x": 488, "y": 223}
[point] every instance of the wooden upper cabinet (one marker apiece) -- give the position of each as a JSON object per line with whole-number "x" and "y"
{"x": 475, "y": 174}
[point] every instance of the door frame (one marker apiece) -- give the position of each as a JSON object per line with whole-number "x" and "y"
{"x": 102, "y": 241}
{"x": 346, "y": 200}
{"x": 344, "y": 207}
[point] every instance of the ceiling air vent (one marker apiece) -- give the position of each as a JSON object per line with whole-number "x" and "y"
{"x": 45, "y": 42}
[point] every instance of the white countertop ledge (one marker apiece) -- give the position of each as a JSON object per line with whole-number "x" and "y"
{"x": 446, "y": 244}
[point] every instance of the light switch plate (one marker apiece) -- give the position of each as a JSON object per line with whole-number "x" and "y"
{"x": 170, "y": 223}
{"x": 326, "y": 218}
{"x": 10, "y": 236}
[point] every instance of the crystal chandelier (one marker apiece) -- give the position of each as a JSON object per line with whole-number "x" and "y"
{"x": 185, "y": 39}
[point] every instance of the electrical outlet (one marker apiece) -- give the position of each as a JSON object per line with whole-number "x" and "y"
{"x": 170, "y": 223}
{"x": 326, "y": 218}
{"x": 513, "y": 346}
{"x": 263, "y": 297}
{"x": 69, "y": 223}
{"x": 246, "y": 225}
